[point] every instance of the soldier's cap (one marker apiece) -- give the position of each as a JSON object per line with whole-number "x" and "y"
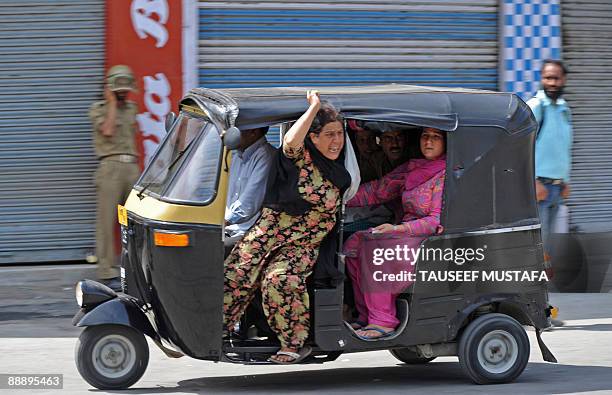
{"x": 120, "y": 78}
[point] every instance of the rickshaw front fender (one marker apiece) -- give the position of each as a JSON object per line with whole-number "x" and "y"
{"x": 116, "y": 311}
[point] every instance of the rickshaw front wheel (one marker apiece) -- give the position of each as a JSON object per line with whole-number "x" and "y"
{"x": 111, "y": 357}
{"x": 494, "y": 348}
{"x": 409, "y": 357}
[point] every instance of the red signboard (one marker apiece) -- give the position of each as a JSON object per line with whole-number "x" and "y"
{"x": 147, "y": 36}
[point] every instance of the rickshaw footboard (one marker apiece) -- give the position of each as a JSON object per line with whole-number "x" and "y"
{"x": 259, "y": 355}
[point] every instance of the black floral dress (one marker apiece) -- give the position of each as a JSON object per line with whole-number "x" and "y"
{"x": 277, "y": 255}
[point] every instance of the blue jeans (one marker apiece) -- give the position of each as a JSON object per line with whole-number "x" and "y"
{"x": 548, "y": 209}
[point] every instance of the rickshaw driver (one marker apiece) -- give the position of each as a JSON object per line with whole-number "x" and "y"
{"x": 249, "y": 170}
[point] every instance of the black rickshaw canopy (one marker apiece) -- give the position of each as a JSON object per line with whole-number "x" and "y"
{"x": 490, "y": 152}
{"x": 442, "y": 108}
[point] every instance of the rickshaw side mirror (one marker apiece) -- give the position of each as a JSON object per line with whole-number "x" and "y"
{"x": 231, "y": 138}
{"x": 170, "y": 118}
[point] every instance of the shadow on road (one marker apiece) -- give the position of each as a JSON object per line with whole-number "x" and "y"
{"x": 439, "y": 378}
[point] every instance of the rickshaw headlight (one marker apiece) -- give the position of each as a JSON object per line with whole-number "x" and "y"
{"x": 90, "y": 293}
{"x": 79, "y": 293}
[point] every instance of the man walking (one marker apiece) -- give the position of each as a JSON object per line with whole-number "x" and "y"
{"x": 553, "y": 155}
{"x": 114, "y": 128}
{"x": 553, "y": 144}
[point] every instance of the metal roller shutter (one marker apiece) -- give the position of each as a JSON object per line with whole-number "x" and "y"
{"x": 587, "y": 50}
{"x": 340, "y": 42}
{"x": 51, "y": 69}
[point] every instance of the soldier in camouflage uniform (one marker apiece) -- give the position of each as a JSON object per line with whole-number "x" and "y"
{"x": 114, "y": 127}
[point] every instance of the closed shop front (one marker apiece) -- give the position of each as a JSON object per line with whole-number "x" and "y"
{"x": 587, "y": 51}
{"x": 51, "y": 70}
{"x": 333, "y": 42}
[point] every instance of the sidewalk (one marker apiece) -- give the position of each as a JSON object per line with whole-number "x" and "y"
{"x": 39, "y": 301}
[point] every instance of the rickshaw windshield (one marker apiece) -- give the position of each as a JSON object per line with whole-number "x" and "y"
{"x": 185, "y": 168}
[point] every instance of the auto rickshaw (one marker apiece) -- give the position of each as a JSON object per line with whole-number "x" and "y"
{"x": 172, "y": 234}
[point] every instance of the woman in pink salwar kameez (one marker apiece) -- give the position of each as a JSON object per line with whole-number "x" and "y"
{"x": 419, "y": 183}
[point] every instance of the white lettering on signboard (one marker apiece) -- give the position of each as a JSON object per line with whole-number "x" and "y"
{"x": 157, "y": 102}
{"x": 149, "y": 18}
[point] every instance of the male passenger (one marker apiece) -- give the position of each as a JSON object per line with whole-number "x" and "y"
{"x": 394, "y": 151}
{"x": 376, "y": 160}
{"x": 249, "y": 170}
{"x": 369, "y": 154}
{"x": 393, "y": 142}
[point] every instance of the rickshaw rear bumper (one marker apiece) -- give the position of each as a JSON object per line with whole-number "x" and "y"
{"x": 119, "y": 309}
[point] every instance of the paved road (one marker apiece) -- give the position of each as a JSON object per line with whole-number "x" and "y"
{"x": 36, "y": 337}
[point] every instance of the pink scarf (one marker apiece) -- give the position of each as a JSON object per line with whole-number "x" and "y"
{"x": 406, "y": 177}
{"x": 420, "y": 171}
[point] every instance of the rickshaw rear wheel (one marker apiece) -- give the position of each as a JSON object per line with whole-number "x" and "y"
{"x": 409, "y": 357}
{"x": 111, "y": 356}
{"x": 493, "y": 348}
